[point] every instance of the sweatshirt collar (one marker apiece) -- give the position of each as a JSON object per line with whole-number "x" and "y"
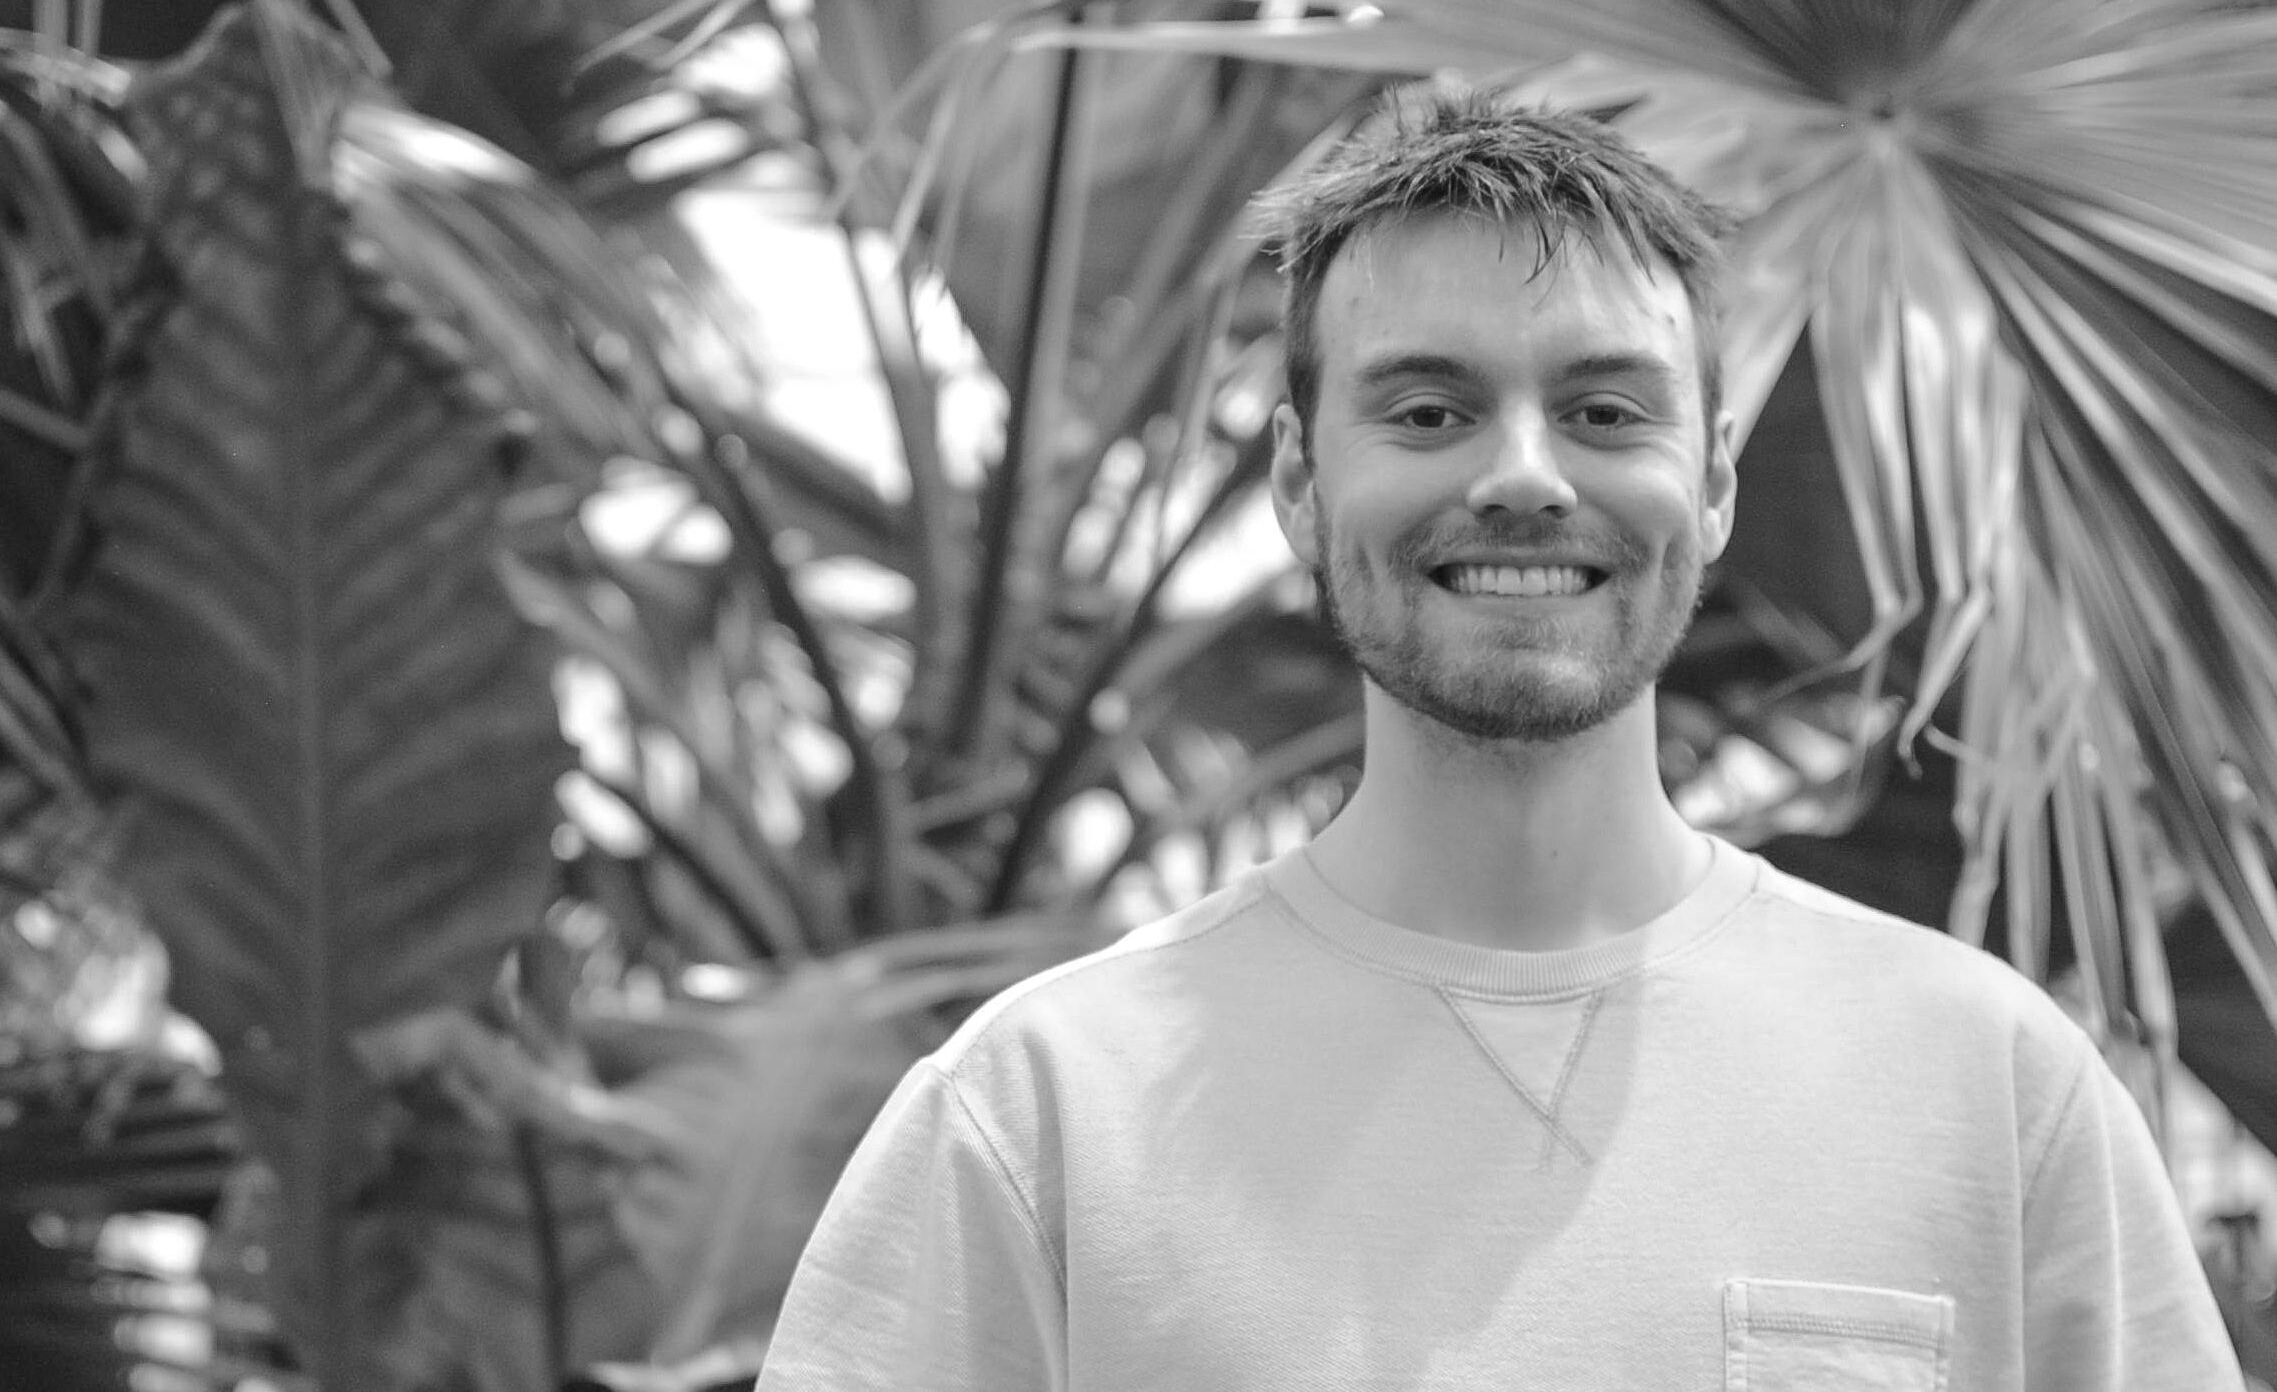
{"x": 1352, "y": 933}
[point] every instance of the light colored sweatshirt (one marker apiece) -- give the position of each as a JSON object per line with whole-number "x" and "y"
{"x": 1770, "y": 1141}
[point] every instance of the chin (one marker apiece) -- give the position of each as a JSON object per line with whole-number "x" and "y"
{"x": 1541, "y": 710}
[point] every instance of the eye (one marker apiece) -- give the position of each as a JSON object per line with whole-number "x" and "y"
{"x": 1606, "y": 415}
{"x": 1428, "y": 416}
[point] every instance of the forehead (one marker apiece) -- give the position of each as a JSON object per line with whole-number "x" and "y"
{"x": 1476, "y": 288}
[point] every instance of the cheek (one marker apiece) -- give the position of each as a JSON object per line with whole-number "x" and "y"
{"x": 1374, "y": 513}
{"x": 1667, "y": 511}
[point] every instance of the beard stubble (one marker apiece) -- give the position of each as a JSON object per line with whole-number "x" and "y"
{"x": 1519, "y": 700}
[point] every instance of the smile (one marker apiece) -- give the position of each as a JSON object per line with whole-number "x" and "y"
{"x": 1525, "y": 582}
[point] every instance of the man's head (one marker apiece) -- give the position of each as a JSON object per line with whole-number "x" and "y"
{"x": 1502, "y": 458}
{"x": 1429, "y": 149}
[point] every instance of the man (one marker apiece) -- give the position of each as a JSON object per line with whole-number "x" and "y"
{"x": 1511, "y": 1079}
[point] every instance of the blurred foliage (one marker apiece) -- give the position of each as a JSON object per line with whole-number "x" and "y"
{"x": 330, "y": 398}
{"x": 571, "y": 785}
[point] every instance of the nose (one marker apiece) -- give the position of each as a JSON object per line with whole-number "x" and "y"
{"x": 1523, "y": 475}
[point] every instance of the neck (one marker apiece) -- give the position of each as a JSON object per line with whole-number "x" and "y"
{"x": 1532, "y": 846}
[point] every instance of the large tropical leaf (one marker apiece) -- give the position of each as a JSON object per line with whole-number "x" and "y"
{"x": 327, "y": 730}
{"x": 2026, "y": 242}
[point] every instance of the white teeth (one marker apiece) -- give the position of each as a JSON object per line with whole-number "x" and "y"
{"x": 1524, "y": 581}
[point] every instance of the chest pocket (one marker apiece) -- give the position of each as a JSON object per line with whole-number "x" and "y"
{"x": 1800, "y": 1336}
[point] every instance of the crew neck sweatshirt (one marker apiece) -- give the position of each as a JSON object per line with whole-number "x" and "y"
{"x": 1768, "y": 1141}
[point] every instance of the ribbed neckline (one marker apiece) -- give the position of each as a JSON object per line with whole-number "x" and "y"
{"x": 1358, "y": 935}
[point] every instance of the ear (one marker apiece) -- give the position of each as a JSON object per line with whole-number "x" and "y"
{"x": 1293, "y": 500}
{"x": 1719, "y": 492}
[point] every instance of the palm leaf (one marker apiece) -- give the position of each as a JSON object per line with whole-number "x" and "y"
{"x": 93, "y": 1135}
{"x": 328, "y": 729}
{"x": 502, "y": 283}
{"x": 542, "y": 80}
{"x": 67, "y": 193}
{"x": 101, "y": 1131}
{"x": 685, "y": 693}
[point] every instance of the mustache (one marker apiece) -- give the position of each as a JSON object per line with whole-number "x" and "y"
{"x": 1429, "y": 544}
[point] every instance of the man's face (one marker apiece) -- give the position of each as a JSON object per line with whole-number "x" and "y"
{"x": 1511, "y": 492}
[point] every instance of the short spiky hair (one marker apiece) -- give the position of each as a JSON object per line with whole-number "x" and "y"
{"x": 1431, "y": 149}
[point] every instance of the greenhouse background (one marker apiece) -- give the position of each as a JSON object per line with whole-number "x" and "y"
{"x": 581, "y": 579}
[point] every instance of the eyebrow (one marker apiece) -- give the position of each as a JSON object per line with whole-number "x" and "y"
{"x": 1403, "y": 366}
{"x": 1644, "y": 366}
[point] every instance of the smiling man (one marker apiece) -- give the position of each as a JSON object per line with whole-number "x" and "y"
{"x": 1511, "y": 1079}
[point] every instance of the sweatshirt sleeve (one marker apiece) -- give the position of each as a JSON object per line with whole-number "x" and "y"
{"x": 2116, "y": 1300}
{"x": 929, "y": 1271}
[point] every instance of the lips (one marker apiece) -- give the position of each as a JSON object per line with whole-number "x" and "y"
{"x": 1523, "y": 582}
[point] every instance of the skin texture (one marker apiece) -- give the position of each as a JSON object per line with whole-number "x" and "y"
{"x": 1477, "y": 408}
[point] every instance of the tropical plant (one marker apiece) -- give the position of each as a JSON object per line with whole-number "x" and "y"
{"x": 269, "y": 568}
{"x": 476, "y": 442}
{"x": 362, "y": 361}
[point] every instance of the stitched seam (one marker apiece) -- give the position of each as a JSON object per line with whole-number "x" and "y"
{"x": 1565, "y": 1070}
{"x": 1548, "y": 1119}
{"x": 2056, "y": 1127}
{"x": 1573, "y": 1051}
{"x": 1022, "y": 1204}
{"x": 1845, "y": 1328}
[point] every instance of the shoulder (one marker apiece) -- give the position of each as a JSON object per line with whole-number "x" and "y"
{"x": 1812, "y": 944}
{"x": 1128, "y": 989}
{"x": 1812, "y": 928}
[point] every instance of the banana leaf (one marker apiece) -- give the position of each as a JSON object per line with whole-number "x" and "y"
{"x": 327, "y": 733}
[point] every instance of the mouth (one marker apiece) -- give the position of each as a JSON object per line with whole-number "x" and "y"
{"x": 1519, "y": 582}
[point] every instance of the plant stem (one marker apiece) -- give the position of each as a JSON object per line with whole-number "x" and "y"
{"x": 909, "y": 388}
{"x": 49, "y": 425}
{"x": 545, "y": 1237}
{"x": 771, "y": 931}
{"x": 881, "y": 802}
{"x": 1309, "y": 752}
{"x": 1067, "y": 747}
{"x": 1045, "y": 331}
